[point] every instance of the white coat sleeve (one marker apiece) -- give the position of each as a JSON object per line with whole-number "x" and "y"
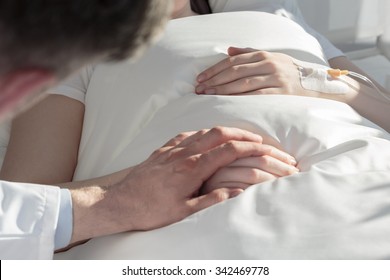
{"x": 28, "y": 220}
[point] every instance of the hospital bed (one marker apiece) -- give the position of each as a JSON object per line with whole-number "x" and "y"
{"x": 338, "y": 207}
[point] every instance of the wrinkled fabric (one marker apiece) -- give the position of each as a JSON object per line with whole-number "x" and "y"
{"x": 28, "y": 220}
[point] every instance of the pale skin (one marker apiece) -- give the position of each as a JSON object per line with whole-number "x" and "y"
{"x": 131, "y": 199}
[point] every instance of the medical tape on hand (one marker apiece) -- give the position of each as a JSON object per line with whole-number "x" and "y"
{"x": 315, "y": 77}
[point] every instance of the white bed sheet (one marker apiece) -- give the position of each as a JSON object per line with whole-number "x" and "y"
{"x": 338, "y": 207}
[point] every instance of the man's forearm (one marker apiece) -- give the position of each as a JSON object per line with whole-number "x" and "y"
{"x": 95, "y": 213}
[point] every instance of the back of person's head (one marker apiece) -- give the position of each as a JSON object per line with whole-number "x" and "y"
{"x": 62, "y": 35}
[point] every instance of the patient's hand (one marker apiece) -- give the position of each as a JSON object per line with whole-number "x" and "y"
{"x": 250, "y": 71}
{"x": 252, "y": 170}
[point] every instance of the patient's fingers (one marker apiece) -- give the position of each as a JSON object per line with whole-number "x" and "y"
{"x": 244, "y": 85}
{"x": 270, "y": 151}
{"x": 216, "y": 196}
{"x": 242, "y": 174}
{"x": 271, "y": 73}
{"x": 223, "y": 155}
{"x": 236, "y": 177}
{"x": 229, "y": 62}
{"x": 248, "y": 171}
{"x": 250, "y": 76}
{"x": 269, "y": 164}
{"x": 232, "y": 51}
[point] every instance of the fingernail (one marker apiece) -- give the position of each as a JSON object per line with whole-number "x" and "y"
{"x": 200, "y": 89}
{"x": 210, "y": 91}
{"x": 201, "y": 78}
{"x": 296, "y": 170}
{"x": 293, "y": 171}
{"x": 293, "y": 161}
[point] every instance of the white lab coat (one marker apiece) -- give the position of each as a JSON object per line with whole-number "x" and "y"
{"x": 28, "y": 220}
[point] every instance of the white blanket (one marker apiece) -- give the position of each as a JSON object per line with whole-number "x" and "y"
{"x": 339, "y": 205}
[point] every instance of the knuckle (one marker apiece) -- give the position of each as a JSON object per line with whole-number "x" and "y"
{"x": 232, "y": 60}
{"x": 252, "y": 174}
{"x": 169, "y": 155}
{"x": 181, "y": 136}
{"x": 236, "y": 69}
{"x": 266, "y": 160}
{"x": 191, "y": 162}
{"x": 267, "y": 150}
{"x": 262, "y": 55}
{"x": 157, "y": 153}
{"x": 218, "y": 131}
{"x": 204, "y": 159}
{"x": 219, "y": 195}
{"x": 271, "y": 66}
{"x": 203, "y": 131}
{"x": 231, "y": 146}
{"x": 196, "y": 146}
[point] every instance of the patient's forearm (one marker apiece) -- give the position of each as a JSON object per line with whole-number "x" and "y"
{"x": 363, "y": 98}
{"x": 371, "y": 105}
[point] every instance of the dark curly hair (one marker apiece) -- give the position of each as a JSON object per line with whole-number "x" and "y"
{"x": 64, "y": 34}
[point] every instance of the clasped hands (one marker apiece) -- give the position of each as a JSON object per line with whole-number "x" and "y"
{"x": 165, "y": 188}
